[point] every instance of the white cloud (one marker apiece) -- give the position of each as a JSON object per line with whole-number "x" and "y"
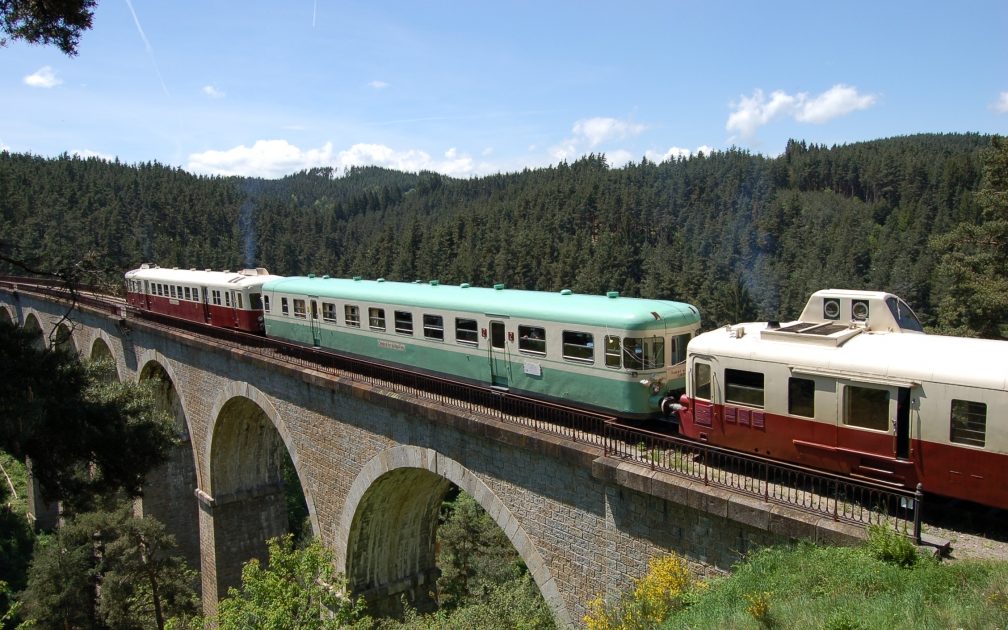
{"x": 276, "y": 158}
{"x": 1001, "y": 106}
{"x": 618, "y": 158}
{"x": 598, "y": 130}
{"x": 378, "y": 85}
{"x": 44, "y": 77}
{"x": 752, "y": 112}
{"x": 88, "y": 153}
{"x": 675, "y": 153}
{"x": 212, "y": 92}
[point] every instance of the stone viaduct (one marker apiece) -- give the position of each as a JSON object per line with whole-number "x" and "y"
{"x": 374, "y": 466}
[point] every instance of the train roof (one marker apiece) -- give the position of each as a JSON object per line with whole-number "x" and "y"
{"x": 564, "y": 306}
{"x": 201, "y": 277}
{"x": 885, "y": 356}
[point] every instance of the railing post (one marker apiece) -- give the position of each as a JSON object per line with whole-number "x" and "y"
{"x": 918, "y": 499}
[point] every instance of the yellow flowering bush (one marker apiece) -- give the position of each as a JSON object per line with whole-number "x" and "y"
{"x": 656, "y": 595}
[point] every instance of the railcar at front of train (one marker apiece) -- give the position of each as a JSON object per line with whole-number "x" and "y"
{"x": 619, "y": 355}
{"x": 854, "y": 386}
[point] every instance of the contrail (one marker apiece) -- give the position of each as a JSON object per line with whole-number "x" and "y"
{"x": 150, "y": 50}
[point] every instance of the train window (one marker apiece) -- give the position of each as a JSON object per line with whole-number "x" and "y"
{"x": 643, "y": 353}
{"x": 179, "y": 291}
{"x": 744, "y": 388}
{"x": 196, "y": 294}
{"x": 466, "y": 331}
{"x": 866, "y": 407}
{"x": 376, "y": 318}
{"x": 255, "y": 301}
{"x": 188, "y": 293}
{"x": 299, "y": 309}
{"x": 702, "y": 381}
{"x": 578, "y": 346}
{"x": 969, "y": 423}
{"x": 217, "y": 300}
{"x": 532, "y": 339}
{"x": 433, "y": 327}
{"x": 266, "y": 306}
{"x": 283, "y": 306}
{"x": 905, "y": 318}
{"x": 352, "y": 315}
{"x": 329, "y": 312}
{"x": 801, "y": 397}
{"x": 679, "y": 343}
{"x": 613, "y": 350}
{"x": 227, "y": 298}
{"x": 239, "y": 303}
{"x": 172, "y": 287}
{"x": 404, "y": 322}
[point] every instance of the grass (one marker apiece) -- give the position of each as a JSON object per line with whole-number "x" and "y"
{"x": 835, "y": 588}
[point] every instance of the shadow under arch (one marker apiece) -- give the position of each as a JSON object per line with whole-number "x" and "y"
{"x": 34, "y": 328}
{"x": 63, "y": 339}
{"x": 5, "y": 315}
{"x": 243, "y": 490}
{"x": 101, "y": 350}
{"x": 386, "y": 532}
{"x": 169, "y": 492}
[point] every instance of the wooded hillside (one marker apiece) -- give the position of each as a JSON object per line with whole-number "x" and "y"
{"x": 739, "y": 235}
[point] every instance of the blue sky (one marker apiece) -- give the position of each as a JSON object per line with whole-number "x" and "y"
{"x": 471, "y": 88}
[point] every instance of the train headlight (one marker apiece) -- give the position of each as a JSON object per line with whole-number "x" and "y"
{"x": 655, "y": 388}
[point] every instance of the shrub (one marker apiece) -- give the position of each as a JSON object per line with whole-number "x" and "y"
{"x": 663, "y": 590}
{"x": 886, "y": 544}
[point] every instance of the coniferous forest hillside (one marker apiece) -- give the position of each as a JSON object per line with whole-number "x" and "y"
{"x": 742, "y": 236}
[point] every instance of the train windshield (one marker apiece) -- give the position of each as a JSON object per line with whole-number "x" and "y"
{"x": 643, "y": 353}
{"x": 905, "y": 318}
{"x": 255, "y": 302}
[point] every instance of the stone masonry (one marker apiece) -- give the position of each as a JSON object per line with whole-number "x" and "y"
{"x": 374, "y": 466}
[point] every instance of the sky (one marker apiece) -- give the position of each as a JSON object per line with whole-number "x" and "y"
{"x": 471, "y": 88}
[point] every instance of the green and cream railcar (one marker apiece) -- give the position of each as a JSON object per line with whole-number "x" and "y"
{"x": 622, "y": 355}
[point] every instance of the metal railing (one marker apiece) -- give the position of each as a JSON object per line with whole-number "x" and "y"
{"x": 834, "y": 496}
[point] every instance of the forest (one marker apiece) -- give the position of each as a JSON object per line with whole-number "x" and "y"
{"x": 741, "y": 236}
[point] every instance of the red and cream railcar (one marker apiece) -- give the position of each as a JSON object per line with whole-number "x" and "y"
{"x": 229, "y": 299}
{"x": 856, "y": 387}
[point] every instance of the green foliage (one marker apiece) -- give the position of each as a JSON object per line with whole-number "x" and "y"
{"x": 886, "y": 544}
{"x": 974, "y": 259}
{"x": 475, "y": 556}
{"x": 841, "y": 588}
{"x": 108, "y": 569}
{"x": 513, "y": 605}
{"x": 298, "y": 590}
{"x": 86, "y": 437}
{"x": 56, "y": 22}
{"x": 17, "y": 540}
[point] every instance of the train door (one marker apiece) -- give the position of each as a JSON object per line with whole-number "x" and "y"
{"x": 869, "y": 422}
{"x": 702, "y": 392}
{"x": 499, "y": 364}
{"x": 313, "y": 323}
{"x": 207, "y": 316}
{"x": 903, "y": 423}
{"x": 146, "y": 295}
{"x": 234, "y": 307}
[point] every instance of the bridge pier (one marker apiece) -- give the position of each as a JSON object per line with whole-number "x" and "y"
{"x": 234, "y": 529}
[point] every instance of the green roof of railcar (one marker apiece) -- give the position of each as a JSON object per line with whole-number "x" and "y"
{"x": 589, "y": 310}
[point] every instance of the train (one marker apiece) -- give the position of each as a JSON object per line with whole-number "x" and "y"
{"x": 855, "y": 386}
{"x": 608, "y": 353}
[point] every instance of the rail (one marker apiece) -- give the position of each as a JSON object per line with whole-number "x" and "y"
{"x": 833, "y": 496}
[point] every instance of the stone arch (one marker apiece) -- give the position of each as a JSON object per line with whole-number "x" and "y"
{"x": 392, "y": 508}
{"x": 33, "y": 326}
{"x": 63, "y": 339}
{"x": 101, "y": 350}
{"x": 242, "y": 490}
{"x": 169, "y": 493}
{"x": 5, "y": 315}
